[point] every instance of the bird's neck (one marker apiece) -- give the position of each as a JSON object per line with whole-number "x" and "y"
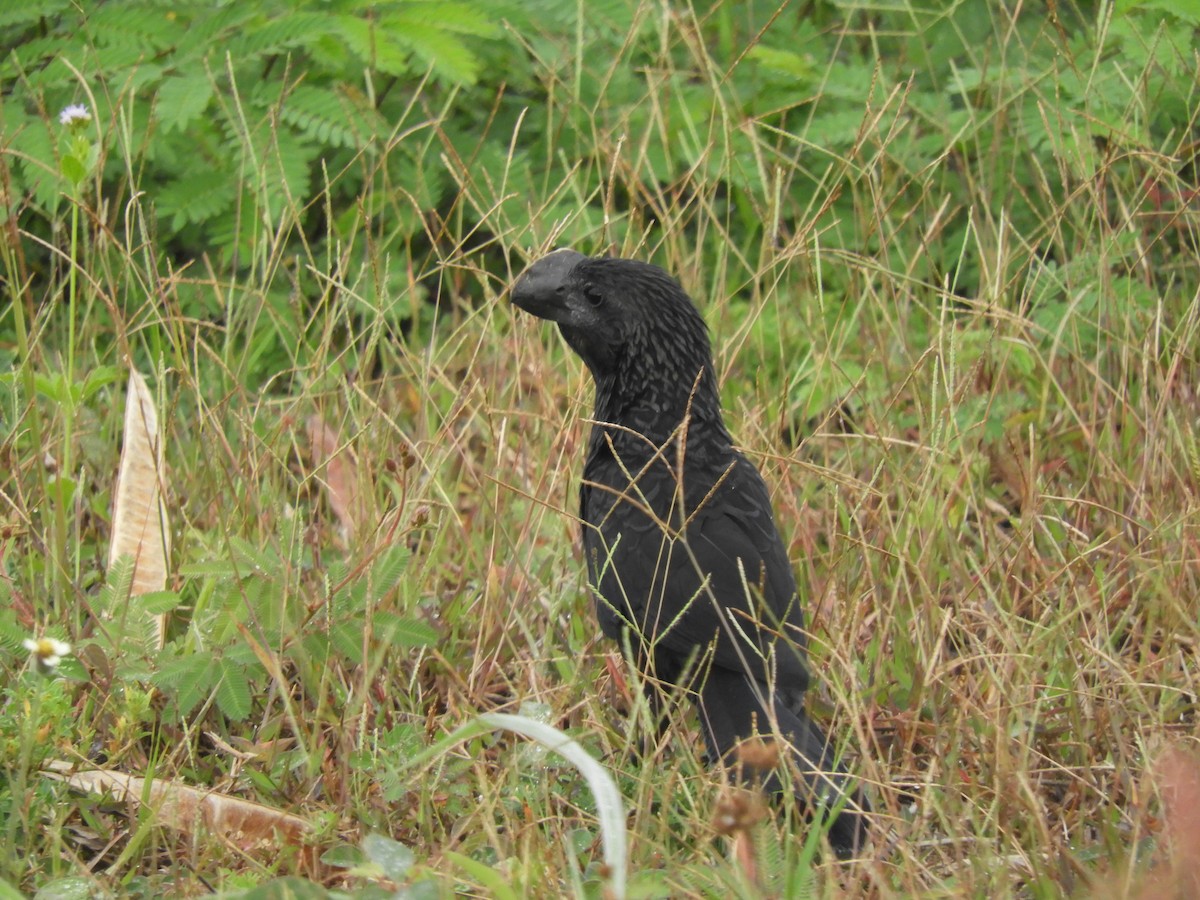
{"x": 649, "y": 410}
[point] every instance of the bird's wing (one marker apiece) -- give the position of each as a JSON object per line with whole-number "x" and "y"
{"x": 733, "y": 541}
{"x": 722, "y": 579}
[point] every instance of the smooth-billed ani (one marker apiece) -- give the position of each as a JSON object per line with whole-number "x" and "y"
{"x": 683, "y": 556}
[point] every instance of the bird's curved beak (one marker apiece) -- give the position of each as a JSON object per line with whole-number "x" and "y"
{"x": 538, "y": 292}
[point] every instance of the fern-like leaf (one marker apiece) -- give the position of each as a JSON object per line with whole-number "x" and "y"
{"x": 188, "y": 680}
{"x": 15, "y": 14}
{"x": 373, "y": 46}
{"x": 386, "y": 572}
{"x": 274, "y": 36}
{"x": 439, "y": 49}
{"x": 347, "y": 640}
{"x": 213, "y": 29}
{"x": 197, "y": 196}
{"x": 233, "y": 691}
{"x": 331, "y": 118}
{"x": 132, "y": 26}
{"x": 392, "y": 629}
{"x": 182, "y": 98}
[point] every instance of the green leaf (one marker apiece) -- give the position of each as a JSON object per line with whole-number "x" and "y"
{"x": 182, "y": 98}
{"x": 98, "y": 378}
{"x": 117, "y": 585}
{"x": 332, "y": 117}
{"x": 176, "y": 672}
{"x": 1189, "y": 10}
{"x": 373, "y": 46}
{"x": 53, "y": 387}
{"x": 450, "y": 59}
{"x": 393, "y": 629}
{"x": 217, "y": 568}
{"x": 253, "y": 561}
{"x": 12, "y": 633}
{"x": 73, "y": 169}
{"x": 347, "y": 640}
{"x": 188, "y": 679}
{"x": 28, "y": 13}
{"x": 343, "y": 856}
{"x": 290, "y": 888}
{"x": 271, "y": 36}
{"x": 73, "y": 887}
{"x": 785, "y": 61}
{"x": 233, "y": 691}
{"x": 386, "y": 571}
{"x": 154, "y": 603}
{"x": 197, "y": 195}
{"x": 393, "y": 857}
{"x": 492, "y": 881}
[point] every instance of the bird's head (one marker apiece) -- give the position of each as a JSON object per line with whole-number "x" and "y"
{"x": 639, "y": 333}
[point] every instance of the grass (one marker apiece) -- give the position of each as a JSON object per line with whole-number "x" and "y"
{"x": 981, "y": 438}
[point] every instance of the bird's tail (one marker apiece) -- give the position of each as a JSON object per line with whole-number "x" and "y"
{"x": 734, "y": 707}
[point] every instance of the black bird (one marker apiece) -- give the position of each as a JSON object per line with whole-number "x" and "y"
{"x": 687, "y": 568}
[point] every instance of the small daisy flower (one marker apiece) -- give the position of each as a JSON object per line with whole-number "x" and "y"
{"x": 76, "y": 112}
{"x": 47, "y": 652}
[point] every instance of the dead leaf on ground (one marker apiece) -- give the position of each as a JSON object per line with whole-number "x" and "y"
{"x": 141, "y": 529}
{"x": 244, "y": 824}
{"x": 341, "y": 473}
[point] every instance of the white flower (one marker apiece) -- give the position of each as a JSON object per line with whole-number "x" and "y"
{"x": 47, "y": 652}
{"x": 76, "y": 112}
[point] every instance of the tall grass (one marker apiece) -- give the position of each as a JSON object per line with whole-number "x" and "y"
{"x": 969, "y": 379}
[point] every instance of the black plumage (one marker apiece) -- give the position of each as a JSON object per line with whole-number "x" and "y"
{"x": 682, "y": 551}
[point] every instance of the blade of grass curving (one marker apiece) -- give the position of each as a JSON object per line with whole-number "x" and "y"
{"x": 610, "y": 809}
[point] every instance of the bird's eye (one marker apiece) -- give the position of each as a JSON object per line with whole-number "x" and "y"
{"x": 593, "y": 295}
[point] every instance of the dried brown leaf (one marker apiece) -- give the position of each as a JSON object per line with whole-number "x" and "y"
{"x": 246, "y": 825}
{"x": 140, "y": 526}
{"x": 341, "y": 473}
